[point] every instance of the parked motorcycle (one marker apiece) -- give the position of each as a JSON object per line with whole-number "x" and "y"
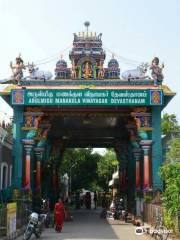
{"x": 35, "y": 225}
{"x": 46, "y": 210}
{"x": 120, "y": 212}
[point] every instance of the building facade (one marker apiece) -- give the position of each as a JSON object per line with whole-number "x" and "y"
{"x": 6, "y": 164}
{"x": 85, "y": 105}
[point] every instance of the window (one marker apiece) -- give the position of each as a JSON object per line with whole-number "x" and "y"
{"x": 4, "y": 175}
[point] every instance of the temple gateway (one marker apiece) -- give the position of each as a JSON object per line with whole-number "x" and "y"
{"x": 87, "y": 105}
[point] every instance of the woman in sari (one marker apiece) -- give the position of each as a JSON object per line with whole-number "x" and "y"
{"x": 59, "y": 215}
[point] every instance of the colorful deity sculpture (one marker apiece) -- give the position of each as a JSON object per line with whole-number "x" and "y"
{"x": 101, "y": 71}
{"x": 17, "y": 69}
{"x": 87, "y": 71}
{"x": 156, "y": 71}
{"x": 73, "y": 71}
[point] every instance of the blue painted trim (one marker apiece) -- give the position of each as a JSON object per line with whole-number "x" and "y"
{"x": 156, "y": 148}
{"x": 17, "y": 176}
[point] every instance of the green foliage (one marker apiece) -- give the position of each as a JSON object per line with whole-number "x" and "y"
{"x": 82, "y": 165}
{"x": 168, "y": 220}
{"x": 88, "y": 170}
{"x": 105, "y": 167}
{"x": 169, "y": 123}
{"x": 107, "y": 163}
{"x": 173, "y": 155}
{"x": 148, "y": 199}
{"x": 171, "y": 196}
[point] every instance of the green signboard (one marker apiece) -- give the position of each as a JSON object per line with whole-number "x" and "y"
{"x": 86, "y": 97}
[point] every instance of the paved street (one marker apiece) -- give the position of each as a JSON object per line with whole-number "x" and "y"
{"x": 88, "y": 225}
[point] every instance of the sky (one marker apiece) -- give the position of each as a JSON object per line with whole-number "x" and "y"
{"x": 136, "y": 30}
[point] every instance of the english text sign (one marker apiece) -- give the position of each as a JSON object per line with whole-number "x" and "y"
{"x": 86, "y": 97}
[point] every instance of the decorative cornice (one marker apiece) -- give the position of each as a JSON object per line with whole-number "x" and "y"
{"x": 167, "y": 91}
{"x": 146, "y": 143}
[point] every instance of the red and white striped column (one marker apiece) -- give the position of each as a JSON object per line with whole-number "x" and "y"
{"x": 137, "y": 157}
{"x": 39, "y": 153}
{"x": 146, "y": 146}
{"x": 28, "y": 145}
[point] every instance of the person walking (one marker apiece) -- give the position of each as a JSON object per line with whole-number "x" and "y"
{"x": 95, "y": 200}
{"x": 59, "y": 215}
{"x": 88, "y": 200}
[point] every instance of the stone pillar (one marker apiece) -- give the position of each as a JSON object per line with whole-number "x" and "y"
{"x": 17, "y": 177}
{"x": 28, "y": 145}
{"x": 38, "y": 153}
{"x": 137, "y": 155}
{"x": 147, "y": 181}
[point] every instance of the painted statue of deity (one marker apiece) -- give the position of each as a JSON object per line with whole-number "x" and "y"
{"x": 73, "y": 71}
{"x": 101, "y": 70}
{"x": 87, "y": 70}
{"x": 17, "y": 69}
{"x": 156, "y": 71}
{"x": 28, "y": 121}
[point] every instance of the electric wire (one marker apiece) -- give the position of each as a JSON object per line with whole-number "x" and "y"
{"x": 52, "y": 57}
{"x": 122, "y": 59}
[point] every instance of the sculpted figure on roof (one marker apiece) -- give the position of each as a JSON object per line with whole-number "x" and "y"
{"x": 17, "y": 69}
{"x": 156, "y": 71}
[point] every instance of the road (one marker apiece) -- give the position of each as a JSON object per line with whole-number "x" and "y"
{"x": 88, "y": 225}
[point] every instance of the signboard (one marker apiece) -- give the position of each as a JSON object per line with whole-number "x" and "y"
{"x": 11, "y": 218}
{"x": 86, "y": 97}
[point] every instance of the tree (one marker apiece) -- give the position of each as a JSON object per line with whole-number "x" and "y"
{"x": 169, "y": 123}
{"x": 105, "y": 167}
{"x": 84, "y": 173}
{"x": 171, "y": 195}
{"x": 173, "y": 155}
{"x": 90, "y": 170}
{"x": 170, "y": 174}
